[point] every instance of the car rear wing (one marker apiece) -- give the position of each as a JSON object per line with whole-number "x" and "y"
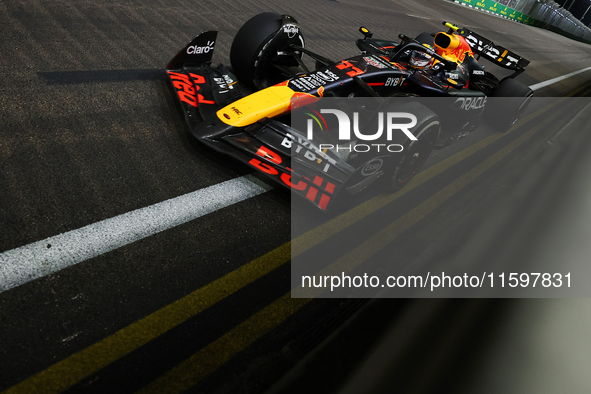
{"x": 487, "y": 49}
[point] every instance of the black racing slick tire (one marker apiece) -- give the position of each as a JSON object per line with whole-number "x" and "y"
{"x": 415, "y": 153}
{"x": 256, "y": 47}
{"x": 507, "y": 103}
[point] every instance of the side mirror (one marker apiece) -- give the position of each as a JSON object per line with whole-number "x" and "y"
{"x": 365, "y": 31}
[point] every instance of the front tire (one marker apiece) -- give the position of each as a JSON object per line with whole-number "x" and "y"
{"x": 416, "y": 152}
{"x": 259, "y": 44}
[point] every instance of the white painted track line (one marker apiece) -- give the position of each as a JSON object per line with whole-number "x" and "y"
{"x": 21, "y": 265}
{"x": 557, "y": 79}
{"x": 29, "y": 262}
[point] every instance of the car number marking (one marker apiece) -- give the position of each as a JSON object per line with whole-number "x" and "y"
{"x": 345, "y": 64}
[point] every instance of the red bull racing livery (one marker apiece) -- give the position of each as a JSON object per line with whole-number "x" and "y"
{"x": 245, "y": 112}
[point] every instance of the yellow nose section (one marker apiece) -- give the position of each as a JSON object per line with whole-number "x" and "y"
{"x": 265, "y": 103}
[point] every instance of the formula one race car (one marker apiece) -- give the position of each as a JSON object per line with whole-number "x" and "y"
{"x": 247, "y": 112}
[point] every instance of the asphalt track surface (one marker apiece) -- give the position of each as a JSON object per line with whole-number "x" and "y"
{"x": 90, "y": 132}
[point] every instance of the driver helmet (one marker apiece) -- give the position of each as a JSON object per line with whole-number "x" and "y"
{"x": 421, "y": 60}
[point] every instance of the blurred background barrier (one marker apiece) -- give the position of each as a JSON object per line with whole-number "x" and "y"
{"x": 545, "y": 14}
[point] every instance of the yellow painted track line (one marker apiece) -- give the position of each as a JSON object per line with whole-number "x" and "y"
{"x": 217, "y": 353}
{"x": 333, "y": 226}
{"x": 78, "y": 366}
{"x": 377, "y": 242}
{"x": 202, "y": 363}
{"x": 71, "y": 370}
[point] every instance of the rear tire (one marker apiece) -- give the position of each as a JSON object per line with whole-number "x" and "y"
{"x": 507, "y": 103}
